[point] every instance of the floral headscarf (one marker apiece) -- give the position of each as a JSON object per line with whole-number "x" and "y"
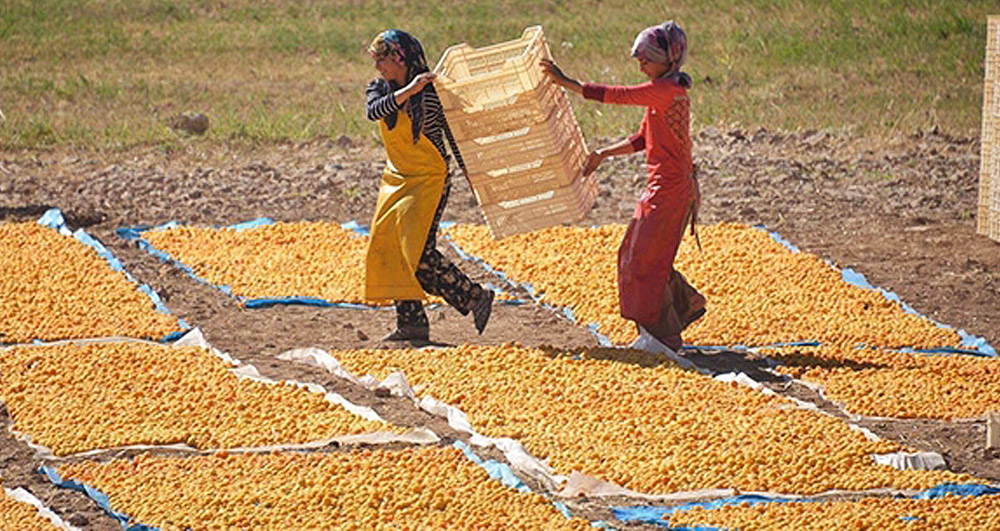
{"x": 666, "y": 44}
{"x": 406, "y": 50}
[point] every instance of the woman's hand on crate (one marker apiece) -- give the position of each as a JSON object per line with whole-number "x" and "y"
{"x": 551, "y": 69}
{"x": 594, "y": 160}
{"x": 421, "y": 80}
{"x": 622, "y": 147}
{"x": 416, "y": 85}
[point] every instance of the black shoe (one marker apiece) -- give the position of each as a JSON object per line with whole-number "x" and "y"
{"x": 409, "y": 333}
{"x": 482, "y": 308}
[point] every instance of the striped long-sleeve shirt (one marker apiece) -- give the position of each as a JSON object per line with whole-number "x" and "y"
{"x": 382, "y": 104}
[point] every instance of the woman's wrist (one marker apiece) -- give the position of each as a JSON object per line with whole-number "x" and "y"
{"x": 404, "y": 94}
{"x": 572, "y": 85}
{"x": 566, "y": 82}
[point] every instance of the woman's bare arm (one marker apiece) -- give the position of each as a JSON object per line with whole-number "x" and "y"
{"x": 594, "y": 159}
{"x": 557, "y": 76}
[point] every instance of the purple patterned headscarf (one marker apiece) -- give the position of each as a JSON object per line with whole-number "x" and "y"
{"x": 666, "y": 44}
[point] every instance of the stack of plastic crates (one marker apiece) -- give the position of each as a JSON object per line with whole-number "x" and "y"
{"x": 988, "y": 215}
{"x": 517, "y": 133}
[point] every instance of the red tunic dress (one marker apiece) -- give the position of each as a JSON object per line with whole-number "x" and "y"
{"x": 651, "y": 292}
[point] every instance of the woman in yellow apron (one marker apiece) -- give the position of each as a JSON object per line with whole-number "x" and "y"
{"x": 403, "y": 263}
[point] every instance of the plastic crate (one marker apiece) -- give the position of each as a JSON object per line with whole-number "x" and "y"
{"x": 529, "y": 179}
{"x": 567, "y": 204}
{"x": 991, "y": 99}
{"x": 527, "y": 108}
{"x": 993, "y": 36}
{"x": 532, "y": 142}
{"x": 517, "y": 133}
{"x": 988, "y": 213}
{"x": 476, "y": 79}
{"x": 989, "y": 190}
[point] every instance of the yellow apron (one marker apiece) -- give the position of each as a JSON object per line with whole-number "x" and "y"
{"x": 408, "y": 197}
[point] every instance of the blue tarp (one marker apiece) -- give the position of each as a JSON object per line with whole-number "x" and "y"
{"x": 652, "y": 514}
{"x": 503, "y": 473}
{"x": 970, "y": 344}
{"x": 594, "y": 328}
{"x": 135, "y": 233}
{"x": 956, "y": 489}
{"x": 306, "y": 301}
{"x": 99, "y": 497}
{"x": 496, "y": 470}
{"x": 164, "y": 257}
{"x": 53, "y": 219}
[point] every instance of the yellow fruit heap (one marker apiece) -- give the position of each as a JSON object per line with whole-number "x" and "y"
{"x": 970, "y": 512}
{"x": 20, "y": 516}
{"x": 796, "y": 360}
{"x": 618, "y": 415}
{"x": 55, "y": 287}
{"x": 76, "y": 398}
{"x": 320, "y": 260}
{"x": 891, "y": 384}
{"x": 305, "y": 259}
{"x": 427, "y": 488}
{"x": 758, "y": 292}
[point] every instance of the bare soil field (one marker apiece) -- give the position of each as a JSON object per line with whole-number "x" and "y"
{"x": 900, "y": 211}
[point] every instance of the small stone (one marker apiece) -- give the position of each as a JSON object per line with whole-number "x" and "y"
{"x": 191, "y": 123}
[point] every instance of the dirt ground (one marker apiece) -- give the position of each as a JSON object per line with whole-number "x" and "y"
{"x": 900, "y": 211}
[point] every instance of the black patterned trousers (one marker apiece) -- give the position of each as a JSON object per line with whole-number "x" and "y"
{"x": 438, "y": 276}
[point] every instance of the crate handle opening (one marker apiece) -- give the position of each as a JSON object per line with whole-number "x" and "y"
{"x": 516, "y": 168}
{"x": 486, "y": 140}
{"x": 527, "y": 200}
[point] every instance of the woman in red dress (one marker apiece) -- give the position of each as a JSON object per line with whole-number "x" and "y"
{"x": 651, "y": 292}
